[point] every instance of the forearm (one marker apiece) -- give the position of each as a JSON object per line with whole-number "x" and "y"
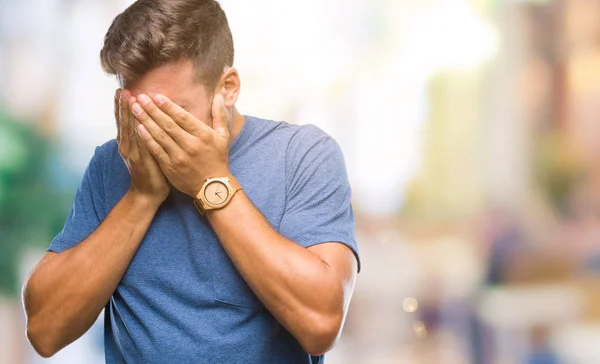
{"x": 65, "y": 294}
{"x": 297, "y": 287}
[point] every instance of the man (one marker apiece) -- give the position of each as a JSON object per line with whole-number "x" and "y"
{"x": 207, "y": 236}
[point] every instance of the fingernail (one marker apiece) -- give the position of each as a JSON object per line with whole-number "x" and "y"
{"x": 222, "y": 100}
{"x": 143, "y": 99}
{"x": 136, "y": 108}
{"x": 159, "y": 99}
{"x": 118, "y": 93}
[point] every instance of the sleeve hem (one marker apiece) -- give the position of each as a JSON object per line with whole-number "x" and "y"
{"x": 308, "y": 241}
{"x": 57, "y": 247}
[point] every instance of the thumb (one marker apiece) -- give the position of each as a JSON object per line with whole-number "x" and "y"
{"x": 220, "y": 116}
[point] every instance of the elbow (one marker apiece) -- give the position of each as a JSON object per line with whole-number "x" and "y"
{"x": 41, "y": 342}
{"x": 39, "y": 338}
{"x": 43, "y": 339}
{"x": 322, "y": 335}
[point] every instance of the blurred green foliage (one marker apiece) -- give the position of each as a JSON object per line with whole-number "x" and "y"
{"x": 32, "y": 207}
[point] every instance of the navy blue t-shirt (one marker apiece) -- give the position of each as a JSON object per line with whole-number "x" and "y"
{"x": 181, "y": 299}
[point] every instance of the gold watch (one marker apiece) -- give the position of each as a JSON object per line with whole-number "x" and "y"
{"x": 216, "y": 193}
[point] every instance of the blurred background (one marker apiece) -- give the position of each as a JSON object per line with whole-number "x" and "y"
{"x": 470, "y": 130}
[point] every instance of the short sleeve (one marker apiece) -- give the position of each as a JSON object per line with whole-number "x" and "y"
{"x": 86, "y": 213}
{"x": 318, "y": 194}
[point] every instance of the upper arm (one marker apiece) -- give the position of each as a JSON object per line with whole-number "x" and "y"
{"x": 341, "y": 260}
{"x": 48, "y": 256}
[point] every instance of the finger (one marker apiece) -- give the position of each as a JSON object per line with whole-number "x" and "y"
{"x": 220, "y": 116}
{"x": 164, "y": 121}
{"x": 123, "y": 121}
{"x": 183, "y": 118}
{"x": 145, "y": 154}
{"x": 117, "y": 110}
{"x": 156, "y": 149}
{"x": 157, "y": 133}
{"x": 130, "y": 127}
{"x": 138, "y": 139}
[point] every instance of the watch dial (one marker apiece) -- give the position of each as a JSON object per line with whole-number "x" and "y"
{"x": 216, "y": 193}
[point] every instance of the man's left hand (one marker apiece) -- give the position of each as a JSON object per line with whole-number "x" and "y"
{"x": 187, "y": 150}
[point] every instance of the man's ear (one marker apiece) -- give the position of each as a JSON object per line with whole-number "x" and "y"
{"x": 229, "y": 86}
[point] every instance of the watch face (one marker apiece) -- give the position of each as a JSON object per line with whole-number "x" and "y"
{"x": 216, "y": 193}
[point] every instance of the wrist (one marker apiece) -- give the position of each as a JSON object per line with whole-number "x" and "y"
{"x": 145, "y": 201}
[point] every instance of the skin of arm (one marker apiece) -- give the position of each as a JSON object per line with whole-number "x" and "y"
{"x": 66, "y": 292}
{"x": 308, "y": 290}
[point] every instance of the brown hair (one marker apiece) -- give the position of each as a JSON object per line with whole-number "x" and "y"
{"x": 151, "y": 33}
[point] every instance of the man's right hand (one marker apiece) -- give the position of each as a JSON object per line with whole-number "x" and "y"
{"x": 147, "y": 180}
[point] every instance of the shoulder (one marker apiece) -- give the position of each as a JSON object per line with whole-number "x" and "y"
{"x": 303, "y": 147}
{"x": 310, "y": 145}
{"x": 108, "y": 149}
{"x": 106, "y": 153}
{"x": 308, "y": 137}
{"x": 295, "y": 138}
{"x": 106, "y": 159}
{"x": 292, "y": 134}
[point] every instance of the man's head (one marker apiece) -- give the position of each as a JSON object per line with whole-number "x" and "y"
{"x": 181, "y": 48}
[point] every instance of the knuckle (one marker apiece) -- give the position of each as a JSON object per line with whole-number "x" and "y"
{"x": 157, "y": 151}
{"x": 204, "y": 137}
{"x": 178, "y": 160}
{"x": 161, "y": 135}
{"x": 191, "y": 148}
{"x": 181, "y": 119}
{"x": 169, "y": 126}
